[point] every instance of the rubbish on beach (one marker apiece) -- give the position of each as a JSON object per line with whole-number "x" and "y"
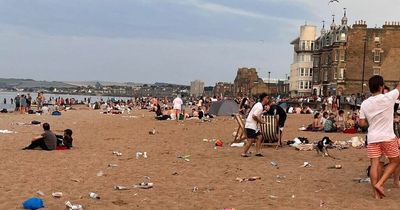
{"x": 72, "y": 206}
{"x": 100, "y": 173}
{"x": 317, "y": 191}
{"x": 335, "y": 167}
{"x": 357, "y": 142}
{"x": 219, "y": 143}
{"x": 306, "y": 165}
{"x": 303, "y": 147}
{"x": 33, "y": 203}
{"x": 118, "y": 187}
{"x": 7, "y": 132}
{"x": 144, "y": 185}
{"x": 57, "y": 194}
{"x": 321, "y": 203}
{"x": 274, "y": 164}
{"x": 293, "y": 196}
{"x": 94, "y": 195}
{"x": 175, "y": 173}
{"x": 152, "y": 132}
{"x": 280, "y": 178}
{"x": 40, "y": 193}
{"x": 139, "y": 154}
{"x": 75, "y": 180}
{"x": 185, "y": 157}
{"x": 241, "y": 144}
{"x": 112, "y": 165}
{"x": 273, "y": 196}
{"x": 362, "y": 180}
{"x": 117, "y": 153}
{"x": 195, "y": 189}
{"x": 254, "y": 178}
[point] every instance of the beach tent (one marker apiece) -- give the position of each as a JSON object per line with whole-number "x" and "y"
{"x": 224, "y": 108}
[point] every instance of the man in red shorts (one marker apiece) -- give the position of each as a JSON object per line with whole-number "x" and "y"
{"x": 377, "y": 113}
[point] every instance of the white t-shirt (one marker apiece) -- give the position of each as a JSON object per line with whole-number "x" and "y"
{"x": 177, "y": 103}
{"x": 378, "y": 110}
{"x": 257, "y": 110}
{"x": 330, "y": 100}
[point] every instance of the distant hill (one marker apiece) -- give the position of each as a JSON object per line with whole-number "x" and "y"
{"x": 103, "y": 83}
{"x": 30, "y": 83}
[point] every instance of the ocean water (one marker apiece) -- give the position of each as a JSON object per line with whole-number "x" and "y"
{"x": 11, "y": 95}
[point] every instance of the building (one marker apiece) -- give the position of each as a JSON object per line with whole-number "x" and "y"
{"x": 245, "y": 80}
{"x": 345, "y": 57}
{"x": 196, "y": 88}
{"x": 301, "y": 70}
{"x": 223, "y": 89}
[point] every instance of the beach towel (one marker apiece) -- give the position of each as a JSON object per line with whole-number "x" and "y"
{"x": 33, "y": 203}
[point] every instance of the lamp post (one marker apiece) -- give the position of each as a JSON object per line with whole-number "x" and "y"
{"x": 269, "y": 82}
{"x": 363, "y": 66}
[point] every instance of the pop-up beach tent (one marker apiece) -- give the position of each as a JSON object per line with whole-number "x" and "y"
{"x": 224, "y": 108}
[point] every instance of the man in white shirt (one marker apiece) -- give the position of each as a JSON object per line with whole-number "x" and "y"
{"x": 177, "y": 102}
{"x": 252, "y": 126}
{"x": 377, "y": 113}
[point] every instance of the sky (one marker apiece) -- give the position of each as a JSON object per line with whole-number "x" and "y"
{"x": 174, "y": 41}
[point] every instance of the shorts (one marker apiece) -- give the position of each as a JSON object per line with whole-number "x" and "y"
{"x": 252, "y": 134}
{"x": 390, "y": 149}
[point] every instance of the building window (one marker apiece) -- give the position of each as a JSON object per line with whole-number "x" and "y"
{"x": 342, "y": 56}
{"x": 377, "y": 39}
{"x": 303, "y": 45}
{"x": 341, "y": 73}
{"x": 301, "y": 87}
{"x": 377, "y": 56}
{"x": 336, "y": 55}
{"x": 334, "y": 75}
{"x": 377, "y": 71}
{"x": 302, "y": 72}
{"x": 311, "y": 72}
{"x": 326, "y": 76}
{"x": 342, "y": 37}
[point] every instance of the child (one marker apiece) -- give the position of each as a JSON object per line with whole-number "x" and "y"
{"x": 330, "y": 124}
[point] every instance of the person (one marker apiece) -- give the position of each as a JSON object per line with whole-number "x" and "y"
{"x": 23, "y": 104}
{"x": 341, "y": 121}
{"x": 29, "y": 102}
{"x": 252, "y": 126}
{"x": 275, "y": 109}
{"x": 376, "y": 112}
{"x": 67, "y": 140}
{"x": 324, "y": 117}
{"x": 330, "y": 124}
{"x": 4, "y": 101}
{"x": 46, "y": 141}
{"x": 17, "y": 104}
{"x": 177, "y": 106}
{"x": 352, "y": 102}
{"x": 316, "y": 125}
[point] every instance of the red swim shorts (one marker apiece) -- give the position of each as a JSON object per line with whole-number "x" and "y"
{"x": 388, "y": 148}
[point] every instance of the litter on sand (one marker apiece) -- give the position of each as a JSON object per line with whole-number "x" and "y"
{"x": 254, "y": 178}
{"x": 335, "y": 167}
{"x": 185, "y": 157}
{"x": 144, "y": 185}
{"x": 72, "y": 206}
{"x": 7, "y": 132}
{"x": 305, "y": 165}
{"x": 117, "y": 153}
{"x": 57, "y": 194}
{"x": 119, "y": 187}
{"x": 241, "y": 144}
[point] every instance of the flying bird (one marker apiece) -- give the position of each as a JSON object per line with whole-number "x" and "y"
{"x": 332, "y": 1}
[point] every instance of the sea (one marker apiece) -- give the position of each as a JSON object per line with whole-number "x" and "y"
{"x": 11, "y": 95}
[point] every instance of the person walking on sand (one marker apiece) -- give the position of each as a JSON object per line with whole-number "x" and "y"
{"x": 252, "y": 126}
{"x": 177, "y": 106}
{"x": 377, "y": 113}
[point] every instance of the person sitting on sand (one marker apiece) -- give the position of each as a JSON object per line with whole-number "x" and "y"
{"x": 67, "y": 138}
{"x": 377, "y": 113}
{"x": 46, "y": 141}
{"x": 330, "y": 124}
{"x": 317, "y": 125}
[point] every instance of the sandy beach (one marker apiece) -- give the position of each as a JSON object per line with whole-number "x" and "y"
{"x": 212, "y": 172}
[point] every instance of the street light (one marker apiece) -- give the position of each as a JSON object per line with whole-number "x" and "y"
{"x": 269, "y": 82}
{"x": 363, "y": 66}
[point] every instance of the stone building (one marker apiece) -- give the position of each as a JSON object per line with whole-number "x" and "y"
{"x": 245, "y": 80}
{"x": 223, "y": 89}
{"x": 196, "y": 88}
{"x": 345, "y": 57}
{"x": 301, "y": 70}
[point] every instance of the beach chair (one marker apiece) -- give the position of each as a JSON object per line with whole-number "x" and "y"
{"x": 397, "y": 129}
{"x": 270, "y": 131}
{"x": 240, "y": 132}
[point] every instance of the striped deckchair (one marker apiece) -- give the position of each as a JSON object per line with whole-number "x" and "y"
{"x": 240, "y": 132}
{"x": 270, "y": 131}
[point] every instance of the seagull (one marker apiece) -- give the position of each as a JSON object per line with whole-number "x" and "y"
{"x": 332, "y": 1}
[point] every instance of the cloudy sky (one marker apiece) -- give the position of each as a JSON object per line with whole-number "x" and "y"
{"x": 162, "y": 40}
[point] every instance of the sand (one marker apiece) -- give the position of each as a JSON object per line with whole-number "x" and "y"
{"x": 211, "y": 171}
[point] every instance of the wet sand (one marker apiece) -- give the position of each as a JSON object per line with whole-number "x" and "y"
{"x": 211, "y": 171}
